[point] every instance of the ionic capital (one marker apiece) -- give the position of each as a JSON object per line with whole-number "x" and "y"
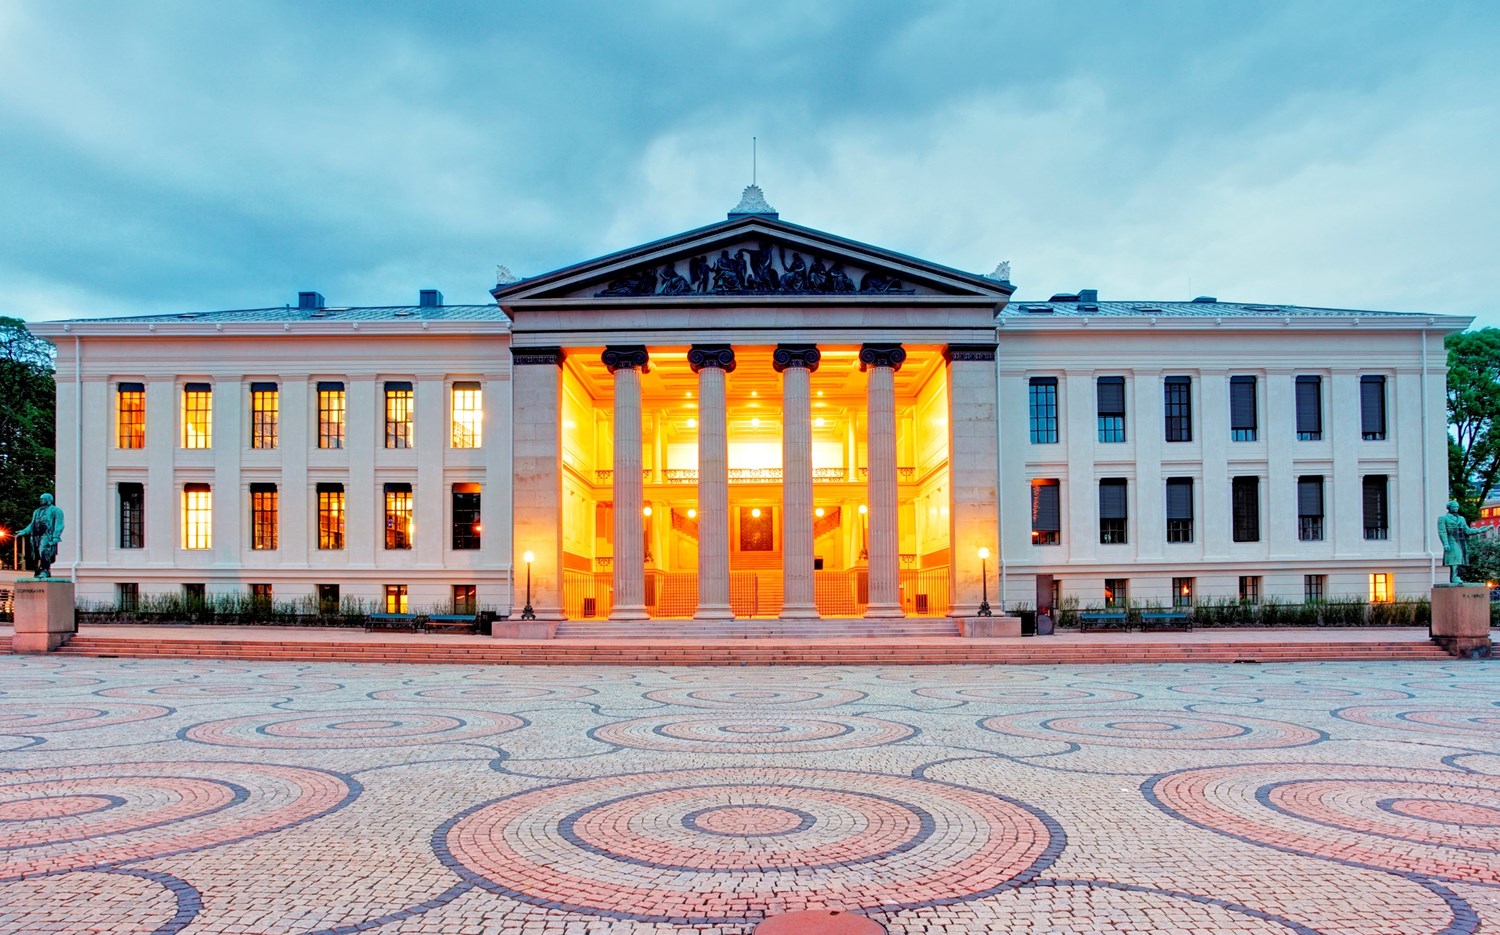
{"x": 626, "y": 357}
{"x": 805, "y": 356}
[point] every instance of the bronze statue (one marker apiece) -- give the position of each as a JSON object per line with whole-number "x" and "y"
{"x": 45, "y": 530}
{"x": 1454, "y": 532}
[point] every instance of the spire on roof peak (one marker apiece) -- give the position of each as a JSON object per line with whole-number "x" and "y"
{"x": 752, "y": 204}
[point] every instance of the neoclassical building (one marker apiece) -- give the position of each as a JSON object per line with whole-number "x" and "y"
{"x": 753, "y": 419}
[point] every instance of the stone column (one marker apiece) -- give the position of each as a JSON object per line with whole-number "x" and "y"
{"x": 795, "y": 363}
{"x": 712, "y": 362}
{"x": 882, "y": 361}
{"x": 536, "y": 470}
{"x": 973, "y": 452}
{"x": 627, "y": 363}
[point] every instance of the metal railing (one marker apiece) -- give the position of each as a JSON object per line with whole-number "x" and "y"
{"x": 674, "y": 595}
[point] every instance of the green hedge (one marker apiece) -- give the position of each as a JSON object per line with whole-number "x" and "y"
{"x": 1228, "y": 613}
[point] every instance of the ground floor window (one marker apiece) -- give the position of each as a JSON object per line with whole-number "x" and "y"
{"x": 465, "y": 599}
{"x": 260, "y": 593}
{"x": 127, "y": 595}
{"x": 1380, "y": 588}
{"x": 395, "y": 599}
{"x": 1182, "y": 593}
{"x": 195, "y": 593}
{"x": 328, "y": 598}
{"x": 1250, "y": 589}
{"x": 466, "y": 528}
{"x": 1115, "y": 592}
{"x": 1314, "y": 588}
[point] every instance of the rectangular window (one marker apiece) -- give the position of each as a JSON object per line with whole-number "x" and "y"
{"x": 468, "y": 415}
{"x": 1179, "y": 509}
{"x": 466, "y": 528}
{"x": 330, "y": 516}
{"x": 1242, "y": 414}
{"x": 195, "y": 593}
{"x": 260, "y": 593}
{"x": 1377, "y": 506}
{"x": 197, "y": 516}
{"x": 395, "y": 599}
{"x": 1046, "y": 513}
{"x": 1115, "y": 593}
{"x": 1250, "y": 589}
{"x": 1111, "y": 398}
{"x": 1380, "y": 588}
{"x": 1112, "y": 510}
{"x": 1372, "y": 408}
{"x": 1310, "y": 508}
{"x": 400, "y": 400}
{"x": 332, "y": 407}
{"x": 132, "y": 516}
{"x": 398, "y": 516}
{"x": 1309, "y": 409}
{"x": 197, "y": 415}
{"x": 1246, "y": 502}
{"x": 1043, "y": 410}
{"x": 1178, "y": 400}
{"x": 127, "y": 596}
{"x": 264, "y": 503}
{"x": 465, "y": 599}
{"x": 130, "y": 415}
{"x": 1182, "y": 593}
{"x": 265, "y": 414}
{"x": 1314, "y": 588}
{"x": 328, "y": 598}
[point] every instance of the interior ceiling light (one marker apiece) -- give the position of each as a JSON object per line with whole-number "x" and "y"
{"x": 819, "y": 512}
{"x": 755, "y": 423}
{"x": 692, "y": 513}
{"x": 692, "y": 423}
{"x": 819, "y": 421}
{"x": 755, "y": 513}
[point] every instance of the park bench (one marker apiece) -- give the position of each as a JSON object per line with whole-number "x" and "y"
{"x": 465, "y": 623}
{"x": 1102, "y": 620}
{"x": 1165, "y": 620}
{"x": 393, "y": 622}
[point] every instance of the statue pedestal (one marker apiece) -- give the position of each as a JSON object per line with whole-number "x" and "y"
{"x": 44, "y": 615}
{"x": 978, "y": 628}
{"x": 1461, "y": 620}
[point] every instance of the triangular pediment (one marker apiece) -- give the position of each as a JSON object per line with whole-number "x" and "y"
{"x": 751, "y": 258}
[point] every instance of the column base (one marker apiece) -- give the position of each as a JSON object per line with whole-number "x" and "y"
{"x": 960, "y": 611}
{"x": 884, "y": 610}
{"x": 714, "y": 612}
{"x": 629, "y": 612}
{"x": 800, "y": 612}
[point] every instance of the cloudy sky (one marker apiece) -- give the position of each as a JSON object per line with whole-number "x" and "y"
{"x": 174, "y": 156}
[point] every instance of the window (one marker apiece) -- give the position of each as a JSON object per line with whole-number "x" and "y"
{"x": 395, "y": 599}
{"x": 1372, "y": 408}
{"x": 260, "y": 593}
{"x": 1178, "y": 400}
{"x": 399, "y": 402}
{"x": 197, "y": 415}
{"x": 1111, "y": 398}
{"x": 1245, "y": 493}
{"x": 1182, "y": 593}
{"x": 130, "y": 415}
{"x": 465, "y": 599}
{"x": 1309, "y": 409}
{"x": 263, "y": 508}
{"x": 1242, "y": 421}
{"x": 1046, "y": 513}
{"x": 265, "y": 414}
{"x": 466, "y": 528}
{"x": 1380, "y": 588}
{"x": 398, "y": 516}
{"x": 1377, "y": 506}
{"x": 1115, "y": 597}
{"x": 332, "y": 407}
{"x": 197, "y": 516}
{"x": 132, "y": 516}
{"x": 1179, "y": 509}
{"x": 328, "y": 598}
{"x": 1250, "y": 589}
{"x": 1112, "y": 512}
{"x": 1314, "y": 588}
{"x": 1043, "y": 410}
{"x": 468, "y": 415}
{"x": 330, "y": 516}
{"x": 195, "y": 594}
{"x": 1310, "y": 508}
{"x": 127, "y": 596}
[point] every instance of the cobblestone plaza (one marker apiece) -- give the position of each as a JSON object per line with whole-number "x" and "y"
{"x": 200, "y": 796}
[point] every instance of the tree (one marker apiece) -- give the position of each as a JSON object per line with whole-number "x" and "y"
{"x": 28, "y": 425}
{"x": 1473, "y": 417}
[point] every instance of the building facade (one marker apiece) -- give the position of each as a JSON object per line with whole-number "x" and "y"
{"x": 752, "y": 419}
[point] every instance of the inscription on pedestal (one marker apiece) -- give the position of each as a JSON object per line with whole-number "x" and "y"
{"x": 44, "y": 615}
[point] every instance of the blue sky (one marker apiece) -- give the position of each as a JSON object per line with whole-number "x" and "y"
{"x": 165, "y": 156}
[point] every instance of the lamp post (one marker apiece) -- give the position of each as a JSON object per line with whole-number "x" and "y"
{"x": 526, "y": 612}
{"x": 984, "y": 581}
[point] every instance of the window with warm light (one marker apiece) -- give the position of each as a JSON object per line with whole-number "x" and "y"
{"x": 265, "y": 414}
{"x": 264, "y": 504}
{"x": 197, "y": 415}
{"x": 395, "y": 599}
{"x": 398, "y": 516}
{"x": 1116, "y": 593}
{"x": 197, "y": 516}
{"x": 130, "y": 415}
{"x": 465, "y": 599}
{"x": 1182, "y": 593}
{"x": 468, "y": 415}
{"x": 466, "y": 527}
{"x": 330, "y": 516}
{"x": 400, "y": 403}
{"x": 332, "y": 410}
{"x": 1380, "y": 588}
{"x": 260, "y": 593}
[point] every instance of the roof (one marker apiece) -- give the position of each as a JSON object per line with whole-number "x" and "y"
{"x": 288, "y": 314}
{"x": 1197, "y": 309}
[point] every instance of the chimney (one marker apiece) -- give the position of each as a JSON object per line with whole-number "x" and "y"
{"x": 430, "y": 298}
{"x": 310, "y": 300}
